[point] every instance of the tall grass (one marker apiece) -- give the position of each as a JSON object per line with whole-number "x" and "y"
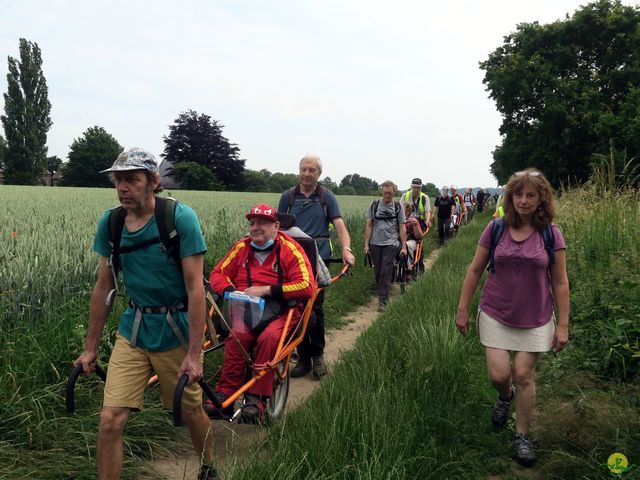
{"x": 603, "y": 225}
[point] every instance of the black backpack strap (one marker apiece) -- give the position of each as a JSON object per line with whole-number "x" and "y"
{"x": 497, "y": 230}
{"x": 165, "y": 213}
{"x": 116, "y": 225}
{"x": 291, "y": 198}
{"x": 374, "y": 209}
{"x": 322, "y": 191}
{"x": 549, "y": 241}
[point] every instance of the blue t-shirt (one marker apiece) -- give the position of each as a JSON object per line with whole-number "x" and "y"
{"x": 152, "y": 278}
{"x": 310, "y": 215}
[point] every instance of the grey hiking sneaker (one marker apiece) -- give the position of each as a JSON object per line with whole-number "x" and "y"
{"x": 319, "y": 367}
{"x": 525, "y": 455}
{"x": 501, "y": 410}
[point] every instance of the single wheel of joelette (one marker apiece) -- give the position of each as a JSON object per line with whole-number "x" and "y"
{"x": 278, "y": 400}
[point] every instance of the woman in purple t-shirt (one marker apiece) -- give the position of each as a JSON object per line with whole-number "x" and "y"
{"x": 515, "y": 318}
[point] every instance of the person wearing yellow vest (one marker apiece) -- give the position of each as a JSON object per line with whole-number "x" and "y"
{"x": 419, "y": 201}
{"x": 499, "y": 213}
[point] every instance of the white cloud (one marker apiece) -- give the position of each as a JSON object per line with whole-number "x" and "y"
{"x": 385, "y": 89}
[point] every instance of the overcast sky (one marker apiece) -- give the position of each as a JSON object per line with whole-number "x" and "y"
{"x": 386, "y": 89}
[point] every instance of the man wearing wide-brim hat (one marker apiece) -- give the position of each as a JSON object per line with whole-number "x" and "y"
{"x": 161, "y": 330}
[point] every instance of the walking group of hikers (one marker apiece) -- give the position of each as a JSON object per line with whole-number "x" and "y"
{"x": 158, "y": 245}
{"x": 395, "y": 227}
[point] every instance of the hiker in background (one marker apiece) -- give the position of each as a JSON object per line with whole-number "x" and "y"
{"x": 414, "y": 235}
{"x": 315, "y": 208}
{"x": 161, "y": 330}
{"x": 527, "y": 263}
{"x": 267, "y": 264}
{"x": 480, "y": 197}
{"x": 420, "y": 203}
{"x": 499, "y": 213}
{"x": 384, "y": 237}
{"x": 460, "y": 209}
{"x": 446, "y": 210}
{"x": 469, "y": 200}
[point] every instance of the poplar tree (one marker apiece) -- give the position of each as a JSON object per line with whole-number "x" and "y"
{"x": 26, "y": 120}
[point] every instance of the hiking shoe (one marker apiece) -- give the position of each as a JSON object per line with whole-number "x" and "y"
{"x": 501, "y": 410}
{"x": 525, "y": 455}
{"x": 319, "y": 367}
{"x": 218, "y": 413}
{"x": 301, "y": 369}
{"x": 207, "y": 472}
{"x": 254, "y": 410}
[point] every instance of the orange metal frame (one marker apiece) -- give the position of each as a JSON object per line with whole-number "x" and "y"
{"x": 284, "y": 350}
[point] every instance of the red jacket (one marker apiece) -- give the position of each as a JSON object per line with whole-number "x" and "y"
{"x": 297, "y": 276}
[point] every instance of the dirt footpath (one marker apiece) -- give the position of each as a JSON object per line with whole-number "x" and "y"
{"x": 233, "y": 438}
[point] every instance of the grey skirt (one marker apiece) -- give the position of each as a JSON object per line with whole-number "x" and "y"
{"x": 497, "y": 335}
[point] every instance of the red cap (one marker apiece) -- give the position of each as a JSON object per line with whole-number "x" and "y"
{"x": 262, "y": 211}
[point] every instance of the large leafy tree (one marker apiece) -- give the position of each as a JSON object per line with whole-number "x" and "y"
{"x": 94, "y": 151}
{"x": 431, "y": 190}
{"x": 359, "y": 184}
{"x": 195, "y": 137}
{"x": 193, "y": 176}
{"x": 568, "y": 92}
{"x": 26, "y": 120}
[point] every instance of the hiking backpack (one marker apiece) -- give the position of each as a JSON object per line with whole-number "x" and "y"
{"x": 497, "y": 230}
{"x": 322, "y": 191}
{"x": 165, "y": 213}
{"x": 375, "y": 216}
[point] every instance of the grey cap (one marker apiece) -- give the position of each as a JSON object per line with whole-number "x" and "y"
{"x": 133, "y": 159}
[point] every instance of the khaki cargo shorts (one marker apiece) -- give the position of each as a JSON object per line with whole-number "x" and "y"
{"x": 130, "y": 368}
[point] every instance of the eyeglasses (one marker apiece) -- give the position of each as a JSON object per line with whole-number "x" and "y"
{"x": 526, "y": 172}
{"x": 258, "y": 211}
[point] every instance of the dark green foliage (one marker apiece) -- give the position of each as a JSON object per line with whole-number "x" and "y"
{"x": 94, "y": 151}
{"x": 26, "y": 120}
{"x": 193, "y": 176}
{"x": 3, "y": 151}
{"x": 431, "y": 190}
{"x": 53, "y": 164}
{"x": 265, "y": 181}
{"x": 360, "y": 185}
{"x": 566, "y": 91}
{"x": 195, "y": 137}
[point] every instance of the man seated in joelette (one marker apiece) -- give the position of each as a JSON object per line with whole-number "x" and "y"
{"x": 269, "y": 264}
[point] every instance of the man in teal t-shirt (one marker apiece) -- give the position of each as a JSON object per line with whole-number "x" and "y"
{"x": 161, "y": 330}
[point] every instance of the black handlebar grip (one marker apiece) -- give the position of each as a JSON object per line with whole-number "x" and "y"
{"x": 71, "y": 385}
{"x": 177, "y": 400}
{"x": 177, "y": 397}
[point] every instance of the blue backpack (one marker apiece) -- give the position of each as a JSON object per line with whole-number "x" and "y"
{"x": 497, "y": 230}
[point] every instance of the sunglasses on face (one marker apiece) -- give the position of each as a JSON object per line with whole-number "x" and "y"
{"x": 524, "y": 172}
